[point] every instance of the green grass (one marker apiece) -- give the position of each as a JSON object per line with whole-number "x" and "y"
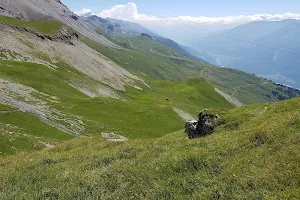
{"x": 139, "y": 114}
{"x": 48, "y": 27}
{"x": 184, "y": 95}
{"x": 147, "y": 114}
{"x": 256, "y": 155}
{"x": 23, "y": 131}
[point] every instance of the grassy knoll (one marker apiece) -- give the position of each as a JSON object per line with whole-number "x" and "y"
{"x": 254, "y": 156}
{"x": 48, "y": 27}
{"x": 138, "y": 114}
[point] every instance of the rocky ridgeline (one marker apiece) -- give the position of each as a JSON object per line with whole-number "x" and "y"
{"x": 65, "y": 34}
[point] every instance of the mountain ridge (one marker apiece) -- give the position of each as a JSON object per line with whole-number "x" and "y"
{"x": 52, "y": 9}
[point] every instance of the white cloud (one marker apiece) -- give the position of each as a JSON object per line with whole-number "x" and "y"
{"x": 84, "y": 12}
{"x": 129, "y": 12}
{"x": 234, "y": 19}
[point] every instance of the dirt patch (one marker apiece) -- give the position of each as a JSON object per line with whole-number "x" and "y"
{"x": 229, "y": 98}
{"x": 185, "y": 116}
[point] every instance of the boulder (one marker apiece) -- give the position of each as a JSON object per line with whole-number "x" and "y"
{"x": 75, "y": 17}
{"x": 207, "y": 121}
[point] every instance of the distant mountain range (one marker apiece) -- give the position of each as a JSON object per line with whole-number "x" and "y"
{"x": 267, "y": 48}
{"x": 116, "y": 27}
{"x": 119, "y": 28}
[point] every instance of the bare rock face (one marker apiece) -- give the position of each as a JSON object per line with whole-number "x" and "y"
{"x": 204, "y": 126}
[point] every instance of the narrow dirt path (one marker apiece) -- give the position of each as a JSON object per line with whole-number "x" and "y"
{"x": 185, "y": 116}
{"x": 203, "y": 71}
{"x": 229, "y": 98}
{"x": 236, "y": 89}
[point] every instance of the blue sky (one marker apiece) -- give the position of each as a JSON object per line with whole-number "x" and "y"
{"x": 209, "y": 8}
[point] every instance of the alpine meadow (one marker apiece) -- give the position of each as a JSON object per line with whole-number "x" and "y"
{"x": 106, "y": 104}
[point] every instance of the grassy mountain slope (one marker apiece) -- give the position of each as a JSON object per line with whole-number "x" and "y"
{"x": 255, "y": 155}
{"x": 66, "y": 88}
{"x": 139, "y": 54}
{"x": 20, "y": 131}
{"x": 158, "y": 61}
{"x": 138, "y": 112}
{"x": 58, "y": 96}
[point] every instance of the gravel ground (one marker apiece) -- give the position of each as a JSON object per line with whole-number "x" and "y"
{"x": 21, "y": 97}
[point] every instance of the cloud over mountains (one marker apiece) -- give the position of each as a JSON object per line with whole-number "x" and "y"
{"x": 129, "y": 12}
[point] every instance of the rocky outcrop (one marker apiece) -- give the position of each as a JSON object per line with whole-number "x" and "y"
{"x": 207, "y": 121}
{"x": 49, "y": 10}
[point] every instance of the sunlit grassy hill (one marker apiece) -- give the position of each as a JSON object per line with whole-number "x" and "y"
{"x": 255, "y": 155}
